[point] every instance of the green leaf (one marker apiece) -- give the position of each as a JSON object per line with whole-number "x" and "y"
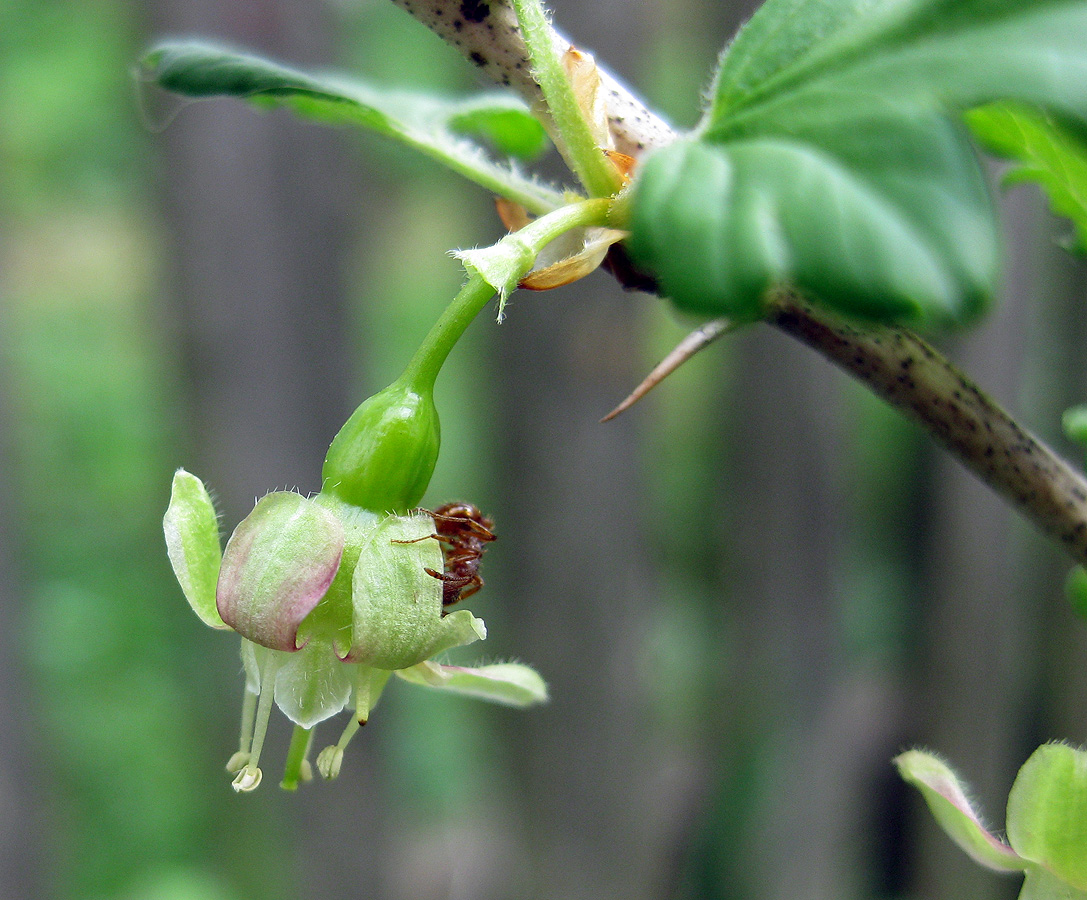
{"x": 427, "y": 124}
{"x": 501, "y": 119}
{"x": 510, "y": 684}
{"x": 895, "y": 224}
{"x": 192, "y": 543}
{"x": 1075, "y": 588}
{"x": 1048, "y": 152}
{"x": 843, "y": 116}
{"x": 937, "y": 54}
{"x": 1047, "y": 812}
{"x": 947, "y": 800}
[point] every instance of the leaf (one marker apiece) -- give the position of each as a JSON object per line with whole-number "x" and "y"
{"x": 942, "y": 54}
{"x": 1048, "y": 152}
{"x": 1075, "y": 424}
{"x": 896, "y": 224}
{"x": 427, "y": 124}
{"x": 947, "y": 800}
{"x": 853, "y": 108}
{"x": 1047, "y": 812}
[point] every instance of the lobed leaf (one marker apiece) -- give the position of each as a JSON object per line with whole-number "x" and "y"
{"x": 896, "y": 224}
{"x": 843, "y": 115}
{"x": 428, "y": 124}
{"x": 1046, "y": 151}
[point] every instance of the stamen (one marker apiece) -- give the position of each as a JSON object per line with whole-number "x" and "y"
{"x": 250, "y": 776}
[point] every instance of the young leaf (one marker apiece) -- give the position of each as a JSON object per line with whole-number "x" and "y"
{"x": 1046, "y": 150}
{"x": 427, "y": 124}
{"x": 947, "y": 800}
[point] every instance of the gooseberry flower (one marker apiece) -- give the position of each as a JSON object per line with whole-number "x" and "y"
{"x": 1046, "y": 819}
{"x": 330, "y": 599}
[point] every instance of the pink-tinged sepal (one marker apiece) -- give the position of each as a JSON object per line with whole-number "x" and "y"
{"x": 277, "y": 566}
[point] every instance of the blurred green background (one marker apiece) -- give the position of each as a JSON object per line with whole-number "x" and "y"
{"x": 747, "y": 594}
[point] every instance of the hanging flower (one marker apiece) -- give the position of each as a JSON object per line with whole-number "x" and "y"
{"x": 330, "y": 599}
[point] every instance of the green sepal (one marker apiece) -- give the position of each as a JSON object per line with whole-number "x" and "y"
{"x": 509, "y": 684}
{"x": 277, "y": 566}
{"x": 1047, "y": 812}
{"x": 192, "y": 543}
{"x": 1043, "y": 885}
{"x": 949, "y": 805}
{"x": 397, "y": 619}
{"x": 312, "y": 684}
{"x": 384, "y": 455}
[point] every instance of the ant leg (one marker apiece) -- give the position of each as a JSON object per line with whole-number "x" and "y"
{"x": 440, "y": 538}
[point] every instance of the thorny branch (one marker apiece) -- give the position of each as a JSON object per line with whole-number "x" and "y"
{"x": 895, "y": 363}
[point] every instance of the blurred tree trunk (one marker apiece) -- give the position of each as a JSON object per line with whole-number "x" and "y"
{"x": 584, "y": 592}
{"x": 975, "y": 671}
{"x": 583, "y": 595}
{"x": 21, "y": 827}
{"x": 260, "y": 210}
{"x": 265, "y": 203}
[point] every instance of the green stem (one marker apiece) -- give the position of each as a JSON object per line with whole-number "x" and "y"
{"x": 432, "y": 353}
{"x": 293, "y": 773}
{"x": 514, "y": 256}
{"x": 574, "y": 139}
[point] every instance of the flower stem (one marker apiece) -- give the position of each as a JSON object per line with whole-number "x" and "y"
{"x": 432, "y": 353}
{"x": 517, "y": 252}
{"x": 574, "y": 137}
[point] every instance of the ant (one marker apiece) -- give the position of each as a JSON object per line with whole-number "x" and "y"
{"x": 463, "y": 532}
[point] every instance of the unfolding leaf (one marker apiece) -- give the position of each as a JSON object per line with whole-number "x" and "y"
{"x": 949, "y": 805}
